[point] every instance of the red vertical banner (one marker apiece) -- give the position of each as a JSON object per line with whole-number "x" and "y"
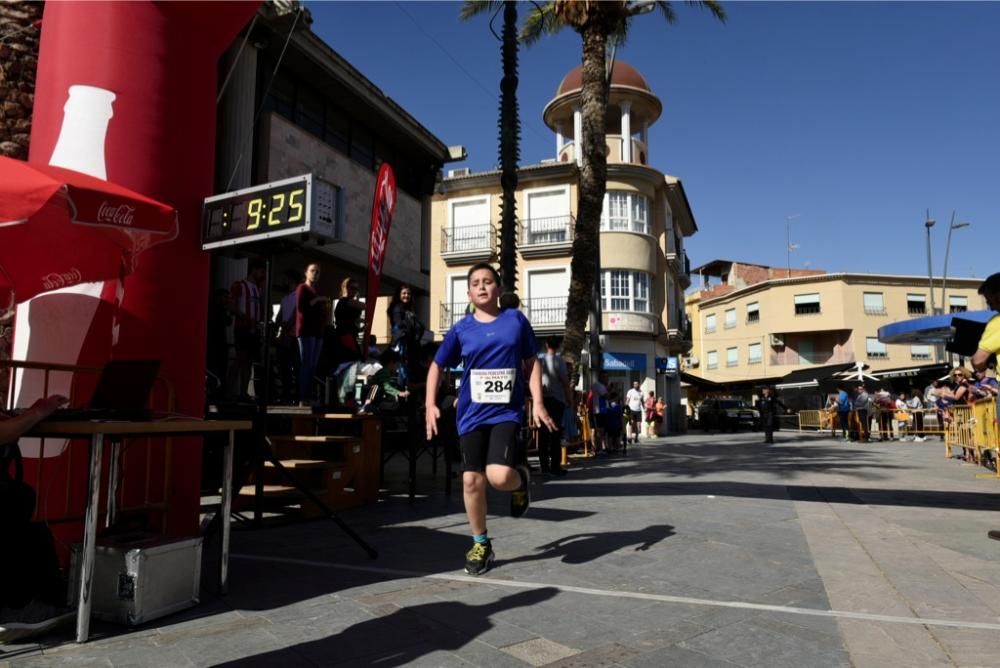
{"x": 383, "y": 206}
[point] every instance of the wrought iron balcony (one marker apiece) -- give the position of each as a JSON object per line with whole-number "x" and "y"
{"x": 468, "y": 241}
{"x": 545, "y": 312}
{"x": 554, "y": 230}
{"x": 451, "y": 313}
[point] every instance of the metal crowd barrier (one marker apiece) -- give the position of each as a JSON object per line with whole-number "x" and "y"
{"x": 824, "y": 419}
{"x": 974, "y": 428}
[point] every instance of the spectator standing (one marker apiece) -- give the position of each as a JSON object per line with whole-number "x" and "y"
{"x": 406, "y": 328}
{"x": 767, "y": 406}
{"x": 286, "y": 343}
{"x": 989, "y": 342}
{"x": 612, "y": 414}
{"x": 248, "y": 311}
{"x": 985, "y": 386}
{"x": 885, "y": 405}
{"x": 844, "y": 405}
{"x": 861, "y": 400}
{"x": 348, "y": 323}
{"x": 633, "y": 399}
{"x": 310, "y": 312}
{"x": 650, "y": 407}
{"x": 915, "y": 404}
{"x": 661, "y": 409}
{"x": 598, "y": 408}
{"x": 556, "y": 392}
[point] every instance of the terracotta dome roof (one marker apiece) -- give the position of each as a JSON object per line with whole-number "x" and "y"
{"x": 622, "y": 75}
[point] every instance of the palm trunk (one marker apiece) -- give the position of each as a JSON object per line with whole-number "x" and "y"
{"x": 593, "y": 183}
{"x": 18, "y": 61}
{"x": 509, "y": 149}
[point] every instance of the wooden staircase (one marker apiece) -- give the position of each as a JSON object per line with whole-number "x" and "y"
{"x": 340, "y": 469}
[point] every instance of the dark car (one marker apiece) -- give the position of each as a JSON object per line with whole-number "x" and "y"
{"x": 727, "y": 415}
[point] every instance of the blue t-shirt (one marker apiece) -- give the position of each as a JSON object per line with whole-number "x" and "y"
{"x": 502, "y": 344}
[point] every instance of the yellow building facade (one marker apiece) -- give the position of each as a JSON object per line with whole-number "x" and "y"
{"x": 646, "y": 217}
{"x": 767, "y": 329}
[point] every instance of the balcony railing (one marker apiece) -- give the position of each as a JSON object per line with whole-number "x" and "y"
{"x": 553, "y": 230}
{"x": 468, "y": 239}
{"x": 451, "y": 313}
{"x": 545, "y": 312}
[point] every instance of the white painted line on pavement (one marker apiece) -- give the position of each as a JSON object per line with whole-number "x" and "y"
{"x": 663, "y": 598}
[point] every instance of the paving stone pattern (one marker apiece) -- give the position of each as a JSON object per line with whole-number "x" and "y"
{"x": 808, "y": 522}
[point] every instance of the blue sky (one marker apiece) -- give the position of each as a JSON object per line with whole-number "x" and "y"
{"x": 854, "y": 118}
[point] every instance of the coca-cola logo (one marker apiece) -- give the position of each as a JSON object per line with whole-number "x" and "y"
{"x": 57, "y": 280}
{"x": 121, "y": 214}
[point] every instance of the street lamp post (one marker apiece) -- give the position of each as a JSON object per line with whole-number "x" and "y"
{"x": 947, "y": 249}
{"x": 789, "y": 246}
{"x": 929, "y": 223}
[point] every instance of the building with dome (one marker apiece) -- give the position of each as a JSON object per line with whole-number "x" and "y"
{"x": 646, "y": 217}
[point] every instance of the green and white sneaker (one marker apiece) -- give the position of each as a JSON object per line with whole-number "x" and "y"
{"x": 479, "y": 558}
{"x": 520, "y": 498}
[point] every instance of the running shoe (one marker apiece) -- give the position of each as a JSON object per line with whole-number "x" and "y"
{"x": 479, "y": 558}
{"x": 520, "y": 498}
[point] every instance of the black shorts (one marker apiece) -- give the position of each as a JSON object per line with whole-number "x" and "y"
{"x": 489, "y": 444}
{"x": 636, "y": 416}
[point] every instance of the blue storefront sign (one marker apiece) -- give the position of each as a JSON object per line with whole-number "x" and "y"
{"x": 624, "y": 362}
{"x": 667, "y": 364}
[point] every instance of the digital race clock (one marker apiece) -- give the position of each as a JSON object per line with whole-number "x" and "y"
{"x": 299, "y": 205}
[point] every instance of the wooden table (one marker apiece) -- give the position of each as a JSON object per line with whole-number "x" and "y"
{"x": 96, "y": 431}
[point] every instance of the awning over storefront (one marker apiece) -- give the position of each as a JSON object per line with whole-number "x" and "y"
{"x": 700, "y": 383}
{"x": 931, "y": 329}
{"x": 812, "y": 376}
{"x": 706, "y": 385}
{"x": 931, "y": 370}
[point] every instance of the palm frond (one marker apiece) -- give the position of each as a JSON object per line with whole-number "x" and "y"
{"x": 472, "y": 8}
{"x": 541, "y": 21}
{"x": 713, "y": 6}
{"x": 667, "y": 9}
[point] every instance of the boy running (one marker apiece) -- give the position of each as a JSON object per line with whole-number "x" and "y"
{"x": 495, "y": 347}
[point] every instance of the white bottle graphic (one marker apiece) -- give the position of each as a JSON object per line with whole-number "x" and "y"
{"x": 84, "y": 129}
{"x": 61, "y": 319}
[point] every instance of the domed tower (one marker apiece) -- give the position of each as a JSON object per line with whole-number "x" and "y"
{"x": 632, "y": 108}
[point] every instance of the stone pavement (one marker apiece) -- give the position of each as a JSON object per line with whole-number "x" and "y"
{"x": 699, "y": 550}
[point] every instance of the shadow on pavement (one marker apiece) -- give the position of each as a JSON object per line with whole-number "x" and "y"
{"x": 583, "y": 547}
{"x": 828, "y": 494}
{"x": 704, "y": 458}
{"x": 400, "y": 637}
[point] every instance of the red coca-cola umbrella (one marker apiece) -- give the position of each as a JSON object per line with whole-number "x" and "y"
{"x": 59, "y": 227}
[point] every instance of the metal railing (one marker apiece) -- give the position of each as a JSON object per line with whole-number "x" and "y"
{"x": 468, "y": 238}
{"x": 451, "y": 313}
{"x": 553, "y": 230}
{"x": 546, "y": 311}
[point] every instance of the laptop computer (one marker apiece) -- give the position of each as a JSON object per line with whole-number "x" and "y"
{"x": 122, "y": 392}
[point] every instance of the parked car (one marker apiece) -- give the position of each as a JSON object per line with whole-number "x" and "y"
{"x": 727, "y": 415}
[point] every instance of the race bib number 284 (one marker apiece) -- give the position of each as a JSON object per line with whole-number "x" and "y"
{"x": 492, "y": 386}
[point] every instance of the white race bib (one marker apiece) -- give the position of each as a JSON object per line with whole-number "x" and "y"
{"x": 492, "y": 386}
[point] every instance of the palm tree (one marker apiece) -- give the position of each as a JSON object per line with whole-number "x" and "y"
{"x": 510, "y": 130}
{"x": 600, "y": 24}
{"x": 19, "y": 35}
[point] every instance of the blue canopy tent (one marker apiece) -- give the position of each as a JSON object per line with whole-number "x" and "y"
{"x": 961, "y": 331}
